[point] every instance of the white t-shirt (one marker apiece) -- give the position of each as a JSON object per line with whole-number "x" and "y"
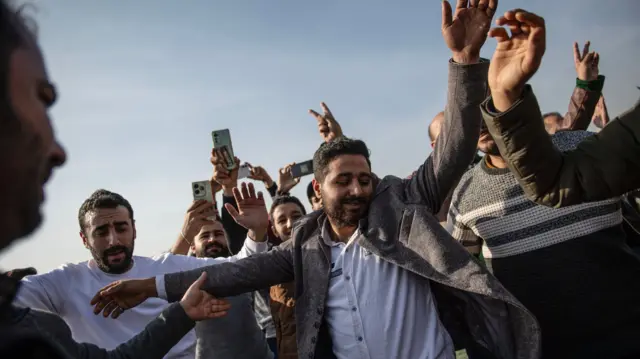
{"x": 68, "y": 290}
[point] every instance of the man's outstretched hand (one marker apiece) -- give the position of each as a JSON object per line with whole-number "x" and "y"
{"x": 117, "y": 297}
{"x": 465, "y": 31}
{"x": 517, "y": 57}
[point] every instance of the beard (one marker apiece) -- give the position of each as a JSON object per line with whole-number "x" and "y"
{"x": 343, "y": 216}
{"x": 102, "y": 259}
{"x": 213, "y": 250}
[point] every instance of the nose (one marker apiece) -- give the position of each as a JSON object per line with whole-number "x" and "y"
{"x": 58, "y": 155}
{"x": 112, "y": 238}
{"x": 355, "y": 188}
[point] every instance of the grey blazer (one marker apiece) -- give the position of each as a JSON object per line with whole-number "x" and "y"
{"x": 400, "y": 227}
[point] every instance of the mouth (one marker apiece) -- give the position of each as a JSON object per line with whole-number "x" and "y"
{"x": 116, "y": 257}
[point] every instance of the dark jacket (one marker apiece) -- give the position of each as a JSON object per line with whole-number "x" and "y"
{"x": 34, "y": 334}
{"x": 603, "y": 166}
{"x": 400, "y": 227}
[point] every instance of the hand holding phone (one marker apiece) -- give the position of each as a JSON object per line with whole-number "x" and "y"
{"x": 202, "y": 190}
{"x": 222, "y": 147}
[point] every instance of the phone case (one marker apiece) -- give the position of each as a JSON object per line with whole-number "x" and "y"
{"x": 302, "y": 169}
{"x": 202, "y": 190}
{"x": 243, "y": 171}
{"x": 222, "y": 141}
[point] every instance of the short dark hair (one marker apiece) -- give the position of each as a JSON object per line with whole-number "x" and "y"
{"x": 283, "y": 200}
{"x": 555, "y": 113}
{"x": 330, "y": 150}
{"x": 310, "y": 191}
{"x": 102, "y": 199}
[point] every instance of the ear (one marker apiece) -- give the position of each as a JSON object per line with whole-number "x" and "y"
{"x": 433, "y": 144}
{"x": 133, "y": 226}
{"x": 316, "y": 188}
{"x": 193, "y": 246}
{"x": 85, "y": 241}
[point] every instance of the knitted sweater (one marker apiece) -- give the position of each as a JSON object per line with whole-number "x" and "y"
{"x": 571, "y": 266}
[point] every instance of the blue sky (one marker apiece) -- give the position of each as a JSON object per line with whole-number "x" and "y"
{"x": 143, "y": 83}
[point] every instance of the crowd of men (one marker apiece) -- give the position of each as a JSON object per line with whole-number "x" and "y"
{"x": 528, "y": 251}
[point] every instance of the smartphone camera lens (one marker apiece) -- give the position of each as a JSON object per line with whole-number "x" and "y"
{"x": 195, "y": 186}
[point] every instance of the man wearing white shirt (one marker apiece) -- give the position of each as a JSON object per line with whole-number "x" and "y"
{"x": 108, "y": 231}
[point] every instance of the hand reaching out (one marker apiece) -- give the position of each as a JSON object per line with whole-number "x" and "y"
{"x": 117, "y": 297}
{"x": 517, "y": 58}
{"x": 587, "y": 68}
{"x": 251, "y": 213}
{"x": 328, "y": 127}
{"x": 466, "y": 31}
{"x": 286, "y": 182}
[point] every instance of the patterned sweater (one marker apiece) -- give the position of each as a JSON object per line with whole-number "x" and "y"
{"x": 571, "y": 266}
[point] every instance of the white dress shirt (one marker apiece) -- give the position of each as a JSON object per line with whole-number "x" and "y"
{"x": 376, "y": 309}
{"x": 67, "y": 291}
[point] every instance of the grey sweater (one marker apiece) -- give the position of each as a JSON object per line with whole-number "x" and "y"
{"x": 236, "y": 335}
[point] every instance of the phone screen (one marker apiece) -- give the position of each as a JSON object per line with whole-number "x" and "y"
{"x": 302, "y": 169}
{"x": 202, "y": 190}
{"x": 222, "y": 142}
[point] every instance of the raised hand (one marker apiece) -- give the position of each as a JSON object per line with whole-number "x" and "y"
{"x": 251, "y": 213}
{"x": 328, "y": 127}
{"x": 285, "y": 179}
{"x": 196, "y": 217}
{"x": 221, "y": 174}
{"x": 587, "y": 68}
{"x": 258, "y": 173}
{"x": 466, "y": 31}
{"x": 516, "y": 58}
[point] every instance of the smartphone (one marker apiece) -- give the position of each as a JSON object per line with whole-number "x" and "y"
{"x": 302, "y": 169}
{"x": 222, "y": 141}
{"x": 243, "y": 171}
{"x": 202, "y": 190}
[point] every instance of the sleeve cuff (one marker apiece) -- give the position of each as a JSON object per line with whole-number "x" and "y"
{"x": 596, "y": 85}
{"x": 254, "y": 247}
{"x": 160, "y": 287}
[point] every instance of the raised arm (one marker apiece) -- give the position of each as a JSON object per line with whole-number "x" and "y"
{"x": 603, "y": 166}
{"x": 228, "y": 180}
{"x": 226, "y": 279}
{"x": 196, "y": 217}
{"x": 589, "y": 84}
{"x": 464, "y": 34}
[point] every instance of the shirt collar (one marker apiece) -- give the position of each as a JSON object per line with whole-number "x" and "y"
{"x": 325, "y": 234}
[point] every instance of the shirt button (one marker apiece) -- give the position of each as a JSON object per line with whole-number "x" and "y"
{"x": 354, "y": 308}
{"x": 347, "y": 277}
{"x": 359, "y": 339}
